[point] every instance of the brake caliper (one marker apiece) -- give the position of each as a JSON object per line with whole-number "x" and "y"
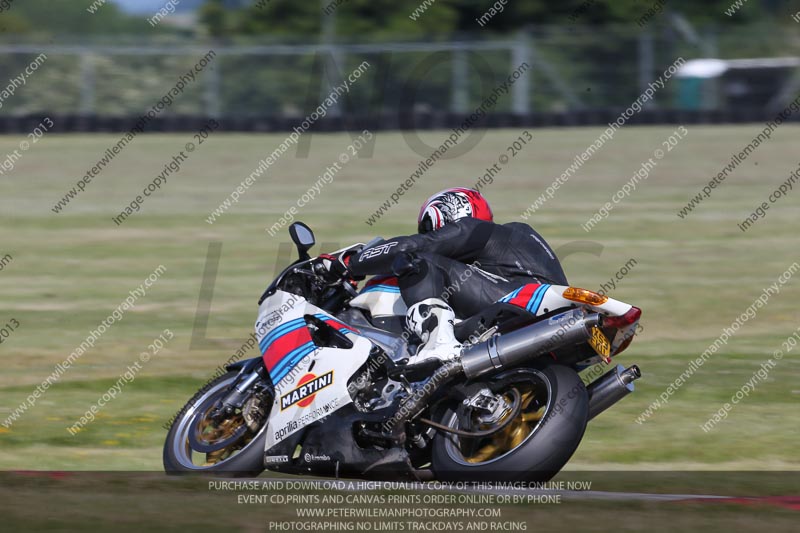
{"x": 489, "y": 408}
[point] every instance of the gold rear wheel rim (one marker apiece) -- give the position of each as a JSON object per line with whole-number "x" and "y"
{"x": 512, "y": 436}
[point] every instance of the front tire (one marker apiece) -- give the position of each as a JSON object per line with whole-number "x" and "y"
{"x": 535, "y": 446}
{"x": 240, "y": 457}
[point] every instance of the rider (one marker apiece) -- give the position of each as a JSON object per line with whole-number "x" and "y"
{"x": 461, "y": 258}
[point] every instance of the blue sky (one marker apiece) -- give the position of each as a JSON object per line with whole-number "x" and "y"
{"x": 151, "y": 6}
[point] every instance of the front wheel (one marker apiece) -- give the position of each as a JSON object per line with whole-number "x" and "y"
{"x": 548, "y": 424}
{"x": 199, "y": 442}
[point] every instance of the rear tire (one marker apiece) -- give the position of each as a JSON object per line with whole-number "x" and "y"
{"x": 247, "y": 462}
{"x": 540, "y": 455}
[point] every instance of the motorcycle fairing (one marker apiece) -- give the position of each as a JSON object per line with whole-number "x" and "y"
{"x": 543, "y": 298}
{"x": 310, "y": 381}
{"x": 382, "y": 283}
{"x": 381, "y": 297}
{"x": 528, "y": 297}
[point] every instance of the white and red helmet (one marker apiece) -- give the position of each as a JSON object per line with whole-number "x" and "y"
{"x": 450, "y": 205}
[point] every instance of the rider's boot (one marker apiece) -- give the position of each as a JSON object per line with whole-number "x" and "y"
{"x": 432, "y": 320}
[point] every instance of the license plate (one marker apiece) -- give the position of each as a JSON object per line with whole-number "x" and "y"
{"x": 600, "y": 343}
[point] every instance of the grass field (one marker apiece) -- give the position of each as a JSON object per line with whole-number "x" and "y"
{"x": 692, "y": 278}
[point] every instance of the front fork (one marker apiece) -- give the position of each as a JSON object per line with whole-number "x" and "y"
{"x": 250, "y": 373}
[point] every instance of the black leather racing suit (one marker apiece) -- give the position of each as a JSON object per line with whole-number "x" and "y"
{"x": 469, "y": 263}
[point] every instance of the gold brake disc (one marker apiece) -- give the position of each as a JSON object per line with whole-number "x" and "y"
{"x": 213, "y": 432}
{"x": 511, "y": 436}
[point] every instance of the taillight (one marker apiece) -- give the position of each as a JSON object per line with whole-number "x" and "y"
{"x": 584, "y": 296}
{"x": 622, "y": 347}
{"x": 621, "y": 321}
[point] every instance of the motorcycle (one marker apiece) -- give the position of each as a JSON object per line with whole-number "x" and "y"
{"x": 332, "y": 394}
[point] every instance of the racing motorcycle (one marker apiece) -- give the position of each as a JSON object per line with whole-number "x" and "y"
{"x": 333, "y": 394}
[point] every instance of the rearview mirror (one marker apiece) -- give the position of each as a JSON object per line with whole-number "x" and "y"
{"x": 303, "y": 238}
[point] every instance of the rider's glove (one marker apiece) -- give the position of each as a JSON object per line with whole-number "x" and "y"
{"x": 338, "y": 264}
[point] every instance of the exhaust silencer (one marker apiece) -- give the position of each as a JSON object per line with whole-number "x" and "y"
{"x": 610, "y": 388}
{"x": 514, "y": 348}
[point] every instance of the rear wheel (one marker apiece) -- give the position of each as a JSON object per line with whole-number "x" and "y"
{"x": 198, "y": 442}
{"x": 550, "y": 410}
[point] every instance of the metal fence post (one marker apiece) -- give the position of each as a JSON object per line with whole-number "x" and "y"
{"x": 332, "y": 64}
{"x": 459, "y": 83}
{"x": 212, "y": 89}
{"x": 520, "y": 91}
{"x": 646, "y": 61}
{"x": 87, "y": 70}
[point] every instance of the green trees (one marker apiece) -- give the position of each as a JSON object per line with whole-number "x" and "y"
{"x": 289, "y": 19}
{"x": 69, "y": 17}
